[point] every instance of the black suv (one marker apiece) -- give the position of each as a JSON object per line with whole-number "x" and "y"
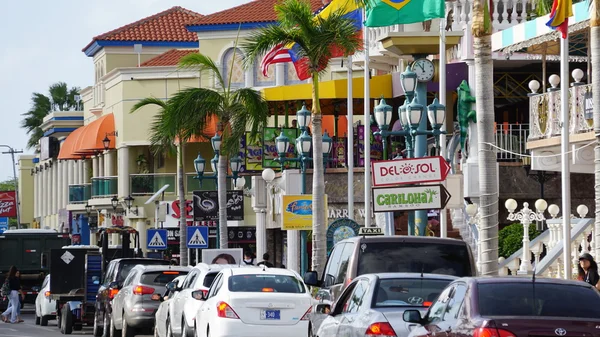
{"x": 116, "y": 272}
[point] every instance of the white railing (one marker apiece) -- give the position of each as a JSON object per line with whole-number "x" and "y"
{"x": 512, "y": 138}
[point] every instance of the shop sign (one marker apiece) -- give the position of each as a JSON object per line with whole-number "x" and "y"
{"x": 409, "y": 171}
{"x": 242, "y": 234}
{"x": 339, "y": 230}
{"x": 206, "y": 206}
{"x": 270, "y": 150}
{"x": 297, "y": 212}
{"x": 173, "y": 212}
{"x": 375, "y": 141}
{"x": 410, "y": 198}
{"x": 8, "y": 204}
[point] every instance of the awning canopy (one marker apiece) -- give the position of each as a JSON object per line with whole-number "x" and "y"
{"x": 89, "y": 139}
{"x": 68, "y": 149}
{"x": 336, "y": 89}
{"x": 209, "y": 131}
{"x": 328, "y": 124}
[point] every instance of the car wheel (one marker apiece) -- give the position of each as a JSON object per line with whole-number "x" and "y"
{"x": 185, "y": 331}
{"x": 44, "y": 320}
{"x": 66, "y": 326}
{"x": 113, "y": 330}
{"x": 37, "y": 319}
{"x": 168, "y": 326}
{"x": 106, "y": 325}
{"x": 127, "y": 330}
{"x": 97, "y": 332}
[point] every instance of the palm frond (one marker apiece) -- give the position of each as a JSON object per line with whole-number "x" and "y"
{"x": 260, "y": 42}
{"x": 193, "y": 108}
{"x": 58, "y": 94}
{"x": 148, "y": 101}
{"x": 248, "y": 111}
{"x": 204, "y": 64}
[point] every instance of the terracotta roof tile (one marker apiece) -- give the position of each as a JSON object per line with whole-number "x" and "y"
{"x": 170, "y": 58}
{"x": 255, "y": 11}
{"x": 168, "y": 26}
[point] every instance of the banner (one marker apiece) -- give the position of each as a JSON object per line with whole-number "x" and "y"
{"x": 254, "y": 151}
{"x": 376, "y": 145}
{"x": 270, "y": 150}
{"x": 206, "y": 206}
{"x": 222, "y": 256}
{"x": 173, "y": 212}
{"x": 8, "y": 204}
{"x": 297, "y": 212}
{"x": 339, "y": 153}
{"x": 242, "y": 154}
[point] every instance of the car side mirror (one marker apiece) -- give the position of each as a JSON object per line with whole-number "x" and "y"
{"x": 311, "y": 278}
{"x": 323, "y": 309}
{"x": 200, "y": 295}
{"x": 157, "y": 297}
{"x": 114, "y": 285}
{"x": 412, "y": 316}
{"x": 172, "y": 286}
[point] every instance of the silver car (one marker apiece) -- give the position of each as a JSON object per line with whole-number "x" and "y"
{"x": 373, "y": 304}
{"x": 133, "y": 307}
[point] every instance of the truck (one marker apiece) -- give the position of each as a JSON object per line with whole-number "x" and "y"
{"x": 28, "y": 250}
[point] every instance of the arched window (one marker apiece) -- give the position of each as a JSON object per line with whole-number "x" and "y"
{"x": 259, "y": 79}
{"x": 238, "y": 75}
{"x": 102, "y": 71}
{"x": 290, "y": 74}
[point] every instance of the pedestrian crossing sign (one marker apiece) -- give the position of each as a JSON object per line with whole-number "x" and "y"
{"x": 197, "y": 237}
{"x": 157, "y": 239}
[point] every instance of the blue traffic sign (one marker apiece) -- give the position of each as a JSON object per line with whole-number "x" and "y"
{"x": 157, "y": 239}
{"x": 197, "y": 237}
{"x": 3, "y": 224}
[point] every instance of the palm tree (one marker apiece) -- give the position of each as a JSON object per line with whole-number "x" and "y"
{"x": 237, "y": 111}
{"x": 595, "y": 63}
{"x": 488, "y": 172}
{"x": 60, "y": 98}
{"x": 315, "y": 37}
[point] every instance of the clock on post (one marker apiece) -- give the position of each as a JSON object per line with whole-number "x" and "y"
{"x": 425, "y": 69}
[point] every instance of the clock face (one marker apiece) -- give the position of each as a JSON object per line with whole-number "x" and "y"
{"x": 424, "y": 70}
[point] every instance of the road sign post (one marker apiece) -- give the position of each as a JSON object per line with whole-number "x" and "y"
{"x": 410, "y": 198}
{"x": 157, "y": 239}
{"x": 3, "y": 224}
{"x": 409, "y": 171}
{"x": 197, "y": 237}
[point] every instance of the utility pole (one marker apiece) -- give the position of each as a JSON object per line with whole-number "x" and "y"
{"x": 12, "y": 152}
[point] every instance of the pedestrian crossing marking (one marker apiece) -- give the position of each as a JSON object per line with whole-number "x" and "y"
{"x": 156, "y": 241}
{"x": 197, "y": 239}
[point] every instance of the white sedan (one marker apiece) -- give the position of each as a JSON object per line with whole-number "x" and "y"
{"x": 255, "y": 302}
{"x": 160, "y": 327}
{"x": 45, "y": 307}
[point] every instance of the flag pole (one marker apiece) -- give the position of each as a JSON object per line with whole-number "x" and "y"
{"x": 564, "y": 147}
{"x": 367, "y": 130}
{"x": 350, "y": 141}
{"x": 442, "y": 92}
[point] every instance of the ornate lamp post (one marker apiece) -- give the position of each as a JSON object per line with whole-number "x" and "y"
{"x": 526, "y": 216}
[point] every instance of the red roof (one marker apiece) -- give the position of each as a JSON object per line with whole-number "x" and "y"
{"x": 255, "y": 11}
{"x": 166, "y": 26}
{"x": 170, "y": 58}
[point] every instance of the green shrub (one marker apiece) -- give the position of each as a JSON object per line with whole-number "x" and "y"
{"x": 510, "y": 238}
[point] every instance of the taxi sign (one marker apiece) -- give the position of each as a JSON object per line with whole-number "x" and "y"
{"x": 370, "y": 231}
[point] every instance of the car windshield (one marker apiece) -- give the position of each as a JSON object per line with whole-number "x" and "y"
{"x": 538, "y": 299}
{"x": 126, "y": 267}
{"x": 208, "y": 279}
{"x": 266, "y": 283}
{"x": 160, "y": 278}
{"x": 402, "y": 292}
{"x": 413, "y": 257}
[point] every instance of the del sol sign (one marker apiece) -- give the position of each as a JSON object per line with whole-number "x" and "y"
{"x": 409, "y": 171}
{"x": 410, "y": 198}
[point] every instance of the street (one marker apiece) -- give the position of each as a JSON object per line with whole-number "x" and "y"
{"x": 29, "y": 329}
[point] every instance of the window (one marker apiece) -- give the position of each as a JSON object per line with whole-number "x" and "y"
{"x": 214, "y": 288}
{"x": 160, "y": 278}
{"x": 403, "y": 292}
{"x": 437, "y": 310}
{"x": 539, "y": 299}
{"x": 347, "y": 253}
{"x": 109, "y": 274}
{"x": 189, "y": 280}
{"x": 333, "y": 264}
{"x": 126, "y": 266}
{"x": 266, "y": 283}
{"x": 129, "y": 280}
{"x": 344, "y": 300}
{"x": 413, "y": 257}
{"x": 238, "y": 74}
{"x": 356, "y": 299}
{"x": 208, "y": 279}
{"x": 455, "y": 302}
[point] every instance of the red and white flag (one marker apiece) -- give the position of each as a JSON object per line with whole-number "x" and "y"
{"x": 279, "y": 54}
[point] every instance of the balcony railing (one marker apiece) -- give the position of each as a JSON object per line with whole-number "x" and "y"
{"x": 544, "y": 113}
{"x": 103, "y": 187}
{"x": 512, "y": 139}
{"x": 79, "y": 194}
{"x": 148, "y": 184}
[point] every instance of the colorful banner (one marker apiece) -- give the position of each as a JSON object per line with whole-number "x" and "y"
{"x": 297, "y": 212}
{"x": 8, "y": 204}
{"x": 270, "y": 150}
{"x": 376, "y": 145}
{"x": 254, "y": 151}
{"x": 339, "y": 153}
{"x": 242, "y": 154}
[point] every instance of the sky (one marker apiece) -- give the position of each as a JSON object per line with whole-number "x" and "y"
{"x": 41, "y": 44}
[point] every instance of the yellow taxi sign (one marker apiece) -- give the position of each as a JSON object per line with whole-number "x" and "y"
{"x": 370, "y": 231}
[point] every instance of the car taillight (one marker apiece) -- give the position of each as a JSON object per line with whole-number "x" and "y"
{"x": 380, "y": 329}
{"x": 492, "y": 332}
{"x": 267, "y": 290}
{"x": 142, "y": 290}
{"x": 306, "y": 316}
{"x": 112, "y": 293}
{"x": 225, "y": 311}
{"x": 47, "y": 294}
{"x": 427, "y": 304}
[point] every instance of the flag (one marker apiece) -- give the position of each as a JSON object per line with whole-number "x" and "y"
{"x": 393, "y": 12}
{"x": 559, "y": 16}
{"x": 278, "y": 54}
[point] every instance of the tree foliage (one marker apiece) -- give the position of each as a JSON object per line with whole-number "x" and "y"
{"x": 510, "y": 238}
{"x": 7, "y": 185}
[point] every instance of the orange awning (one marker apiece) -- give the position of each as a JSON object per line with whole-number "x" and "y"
{"x": 328, "y": 124}
{"x": 95, "y": 132}
{"x": 68, "y": 149}
{"x": 209, "y": 131}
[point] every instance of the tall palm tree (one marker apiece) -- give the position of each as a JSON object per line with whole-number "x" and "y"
{"x": 315, "y": 37}
{"x": 167, "y": 128}
{"x": 595, "y": 80}
{"x": 488, "y": 171}
{"x": 60, "y": 98}
{"x": 237, "y": 111}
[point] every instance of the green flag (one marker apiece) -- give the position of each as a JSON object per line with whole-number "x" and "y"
{"x": 392, "y": 12}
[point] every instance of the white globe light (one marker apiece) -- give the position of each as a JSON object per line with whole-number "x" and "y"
{"x": 511, "y": 205}
{"x": 554, "y": 80}
{"x": 471, "y": 209}
{"x": 240, "y": 182}
{"x": 577, "y": 75}
{"x": 582, "y": 210}
{"x": 268, "y": 175}
{"x": 534, "y": 86}
{"x": 541, "y": 205}
{"x": 553, "y": 210}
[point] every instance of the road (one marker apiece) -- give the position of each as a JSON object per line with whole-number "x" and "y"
{"x": 29, "y": 329}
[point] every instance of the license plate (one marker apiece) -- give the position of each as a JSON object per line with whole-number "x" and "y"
{"x": 270, "y": 314}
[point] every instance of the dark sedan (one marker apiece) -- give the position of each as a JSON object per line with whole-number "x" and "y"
{"x": 511, "y": 307}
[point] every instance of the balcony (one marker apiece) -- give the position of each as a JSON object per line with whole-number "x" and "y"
{"x": 544, "y": 113}
{"x": 512, "y": 138}
{"x": 148, "y": 184}
{"x": 103, "y": 187}
{"x": 79, "y": 194}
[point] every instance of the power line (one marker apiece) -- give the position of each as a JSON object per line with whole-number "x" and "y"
{"x": 12, "y": 152}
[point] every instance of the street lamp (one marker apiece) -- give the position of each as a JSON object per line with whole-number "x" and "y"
{"x": 408, "y": 80}
{"x": 235, "y": 164}
{"x": 383, "y": 115}
{"x": 304, "y": 118}
{"x": 106, "y": 142}
{"x": 215, "y": 142}
{"x": 88, "y": 209}
{"x": 115, "y": 203}
{"x": 129, "y": 202}
{"x": 327, "y": 144}
{"x": 199, "y": 164}
{"x": 525, "y": 216}
{"x": 303, "y": 144}
{"x": 436, "y": 113}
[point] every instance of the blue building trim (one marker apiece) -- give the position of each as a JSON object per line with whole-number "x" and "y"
{"x": 35, "y": 160}
{"x": 66, "y": 118}
{"x": 55, "y": 130}
{"x": 97, "y": 45}
{"x": 228, "y": 26}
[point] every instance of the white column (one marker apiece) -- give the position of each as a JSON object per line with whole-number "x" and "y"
{"x": 64, "y": 169}
{"x": 86, "y": 177}
{"x": 95, "y": 166}
{"x": 249, "y": 82}
{"x": 279, "y": 81}
{"x": 293, "y": 247}
{"x": 261, "y": 231}
{"x": 59, "y": 185}
{"x": 109, "y": 163}
{"x": 44, "y": 190}
{"x": 140, "y": 226}
{"x": 123, "y": 171}
{"x": 54, "y": 171}
{"x": 35, "y": 194}
{"x": 80, "y": 171}
{"x": 100, "y": 165}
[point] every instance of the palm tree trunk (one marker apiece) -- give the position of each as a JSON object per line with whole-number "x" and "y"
{"x": 222, "y": 195}
{"x": 595, "y": 80}
{"x": 183, "y": 250}
{"x": 488, "y": 172}
{"x": 319, "y": 245}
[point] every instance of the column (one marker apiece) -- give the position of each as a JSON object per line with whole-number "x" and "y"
{"x": 86, "y": 176}
{"x": 70, "y": 172}
{"x": 123, "y": 171}
{"x": 45, "y": 189}
{"x": 279, "y": 77}
{"x": 100, "y": 165}
{"x": 80, "y": 171}
{"x": 36, "y": 188}
{"x": 140, "y": 226}
{"x": 64, "y": 169}
{"x": 293, "y": 249}
{"x": 259, "y": 205}
{"x": 59, "y": 185}
{"x": 54, "y": 171}
{"x": 95, "y": 166}
{"x": 249, "y": 81}
{"x": 108, "y": 164}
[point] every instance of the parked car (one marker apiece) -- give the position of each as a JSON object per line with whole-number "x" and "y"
{"x": 45, "y": 306}
{"x": 255, "y": 302}
{"x": 160, "y": 318}
{"x": 187, "y": 300}
{"x": 133, "y": 307}
{"x": 511, "y": 306}
{"x": 373, "y": 304}
{"x": 116, "y": 272}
